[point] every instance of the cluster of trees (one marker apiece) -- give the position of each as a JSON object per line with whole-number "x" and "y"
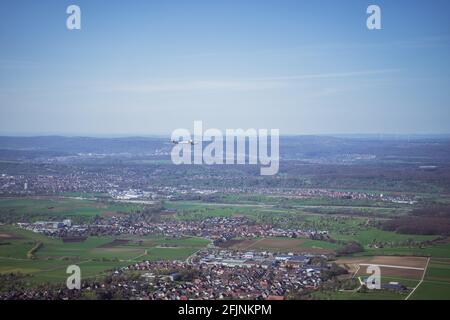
{"x": 333, "y": 272}
{"x": 433, "y": 211}
{"x": 187, "y": 275}
{"x": 431, "y": 220}
{"x": 419, "y": 225}
{"x": 350, "y": 248}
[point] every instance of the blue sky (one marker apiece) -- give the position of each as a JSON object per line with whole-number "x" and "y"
{"x": 146, "y": 67}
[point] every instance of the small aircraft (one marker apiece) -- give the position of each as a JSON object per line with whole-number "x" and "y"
{"x": 191, "y": 142}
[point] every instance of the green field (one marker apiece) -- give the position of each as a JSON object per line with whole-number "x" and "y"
{"x": 94, "y": 255}
{"x": 372, "y": 295}
{"x": 284, "y": 244}
{"x": 436, "y": 284}
{"x": 366, "y": 237}
{"x": 52, "y": 208}
{"x": 429, "y": 290}
{"x": 435, "y": 250}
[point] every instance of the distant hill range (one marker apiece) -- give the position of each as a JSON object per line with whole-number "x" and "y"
{"x": 424, "y": 150}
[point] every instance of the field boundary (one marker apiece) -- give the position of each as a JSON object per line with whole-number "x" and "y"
{"x": 390, "y": 266}
{"x": 421, "y": 280}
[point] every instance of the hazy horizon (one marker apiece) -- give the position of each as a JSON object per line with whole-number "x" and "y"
{"x": 381, "y": 136}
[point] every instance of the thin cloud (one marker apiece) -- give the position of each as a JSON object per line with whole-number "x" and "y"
{"x": 261, "y": 83}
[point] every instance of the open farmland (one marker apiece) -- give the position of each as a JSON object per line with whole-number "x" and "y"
{"x": 425, "y": 278}
{"x": 282, "y": 245}
{"x": 411, "y": 268}
{"x": 436, "y": 283}
{"x": 371, "y": 295}
{"x": 400, "y": 261}
{"x": 95, "y": 255}
{"x": 54, "y": 208}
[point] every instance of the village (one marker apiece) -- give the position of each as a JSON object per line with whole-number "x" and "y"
{"x": 133, "y": 187}
{"x": 221, "y": 274}
{"x": 217, "y": 229}
{"x": 209, "y": 274}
